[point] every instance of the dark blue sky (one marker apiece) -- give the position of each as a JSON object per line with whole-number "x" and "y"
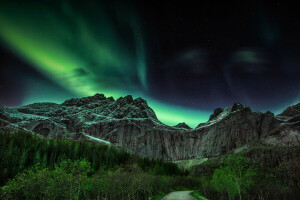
{"x": 179, "y": 56}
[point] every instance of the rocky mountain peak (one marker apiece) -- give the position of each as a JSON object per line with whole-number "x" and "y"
{"x": 182, "y": 125}
{"x": 216, "y": 113}
{"x": 131, "y": 108}
{"x": 223, "y": 112}
{"x": 124, "y": 100}
{"x": 291, "y": 111}
{"x": 237, "y": 107}
{"x": 131, "y": 124}
{"x": 84, "y": 101}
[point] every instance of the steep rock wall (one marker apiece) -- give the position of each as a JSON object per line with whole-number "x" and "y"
{"x": 132, "y": 125}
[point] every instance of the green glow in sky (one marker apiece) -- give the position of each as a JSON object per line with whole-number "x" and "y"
{"x": 86, "y": 54}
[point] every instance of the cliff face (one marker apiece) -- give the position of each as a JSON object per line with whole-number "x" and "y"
{"x": 132, "y": 125}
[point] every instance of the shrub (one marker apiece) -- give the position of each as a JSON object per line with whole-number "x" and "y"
{"x": 235, "y": 178}
{"x": 75, "y": 180}
{"x": 20, "y": 151}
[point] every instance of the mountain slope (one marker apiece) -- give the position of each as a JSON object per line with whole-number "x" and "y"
{"x": 132, "y": 125}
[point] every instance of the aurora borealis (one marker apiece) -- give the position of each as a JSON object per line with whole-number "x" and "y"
{"x": 185, "y": 61}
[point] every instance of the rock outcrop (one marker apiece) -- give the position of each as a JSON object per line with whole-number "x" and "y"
{"x": 132, "y": 125}
{"x": 183, "y": 125}
{"x": 291, "y": 111}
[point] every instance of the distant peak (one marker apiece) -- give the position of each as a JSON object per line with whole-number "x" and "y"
{"x": 99, "y": 96}
{"x": 182, "y": 125}
{"x": 237, "y": 106}
{"x": 291, "y": 111}
{"x": 216, "y": 113}
{"x": 85, "y": 100}
{"x": 125, "y": 100}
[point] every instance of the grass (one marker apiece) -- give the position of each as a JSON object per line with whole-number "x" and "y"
{"x": 197, "y": 196}
{"x": 158, "y": 197}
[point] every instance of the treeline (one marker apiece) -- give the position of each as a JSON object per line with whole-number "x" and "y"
{"x": 237, "y": 178}
{"x": 34, "y": 168}
{"x": 73, "y": 180}
{"x": 20, "y": 151}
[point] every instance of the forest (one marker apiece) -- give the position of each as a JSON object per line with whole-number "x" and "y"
{"x": 35, "y": 168}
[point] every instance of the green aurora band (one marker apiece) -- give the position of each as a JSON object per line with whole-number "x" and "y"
{"x": 86, "y": 55}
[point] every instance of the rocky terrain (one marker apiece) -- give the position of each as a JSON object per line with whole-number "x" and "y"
{"x": 132, "y": 125}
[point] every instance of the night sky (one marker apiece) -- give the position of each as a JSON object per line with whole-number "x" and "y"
{"x": 185, "y": 59}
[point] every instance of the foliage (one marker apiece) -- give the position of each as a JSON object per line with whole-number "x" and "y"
{"x": 197, "y": 196}
{"x": 235, "y": 178}
{"x": 20, "y": 151}
{"x": 158, "y": 197}
{"x": 73, "y": 180}
{"x": 268, "y": 185}
{"x": 34, "y": 168}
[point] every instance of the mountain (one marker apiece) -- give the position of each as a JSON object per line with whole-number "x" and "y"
{"x": 132, "y": 125}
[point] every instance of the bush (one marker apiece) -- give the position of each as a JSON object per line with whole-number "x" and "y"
{"x": 20, "y": 151}
{"x": 76, "y": 180}
{"x": 235, "y": 178}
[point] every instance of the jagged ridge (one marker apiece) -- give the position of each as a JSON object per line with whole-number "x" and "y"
{"x": 132, "y": 124}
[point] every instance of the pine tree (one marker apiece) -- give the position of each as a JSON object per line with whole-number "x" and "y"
{"x": 44, "y": 161}
{"x": 23, "y": 161}
{"x": 37, "y": 157}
